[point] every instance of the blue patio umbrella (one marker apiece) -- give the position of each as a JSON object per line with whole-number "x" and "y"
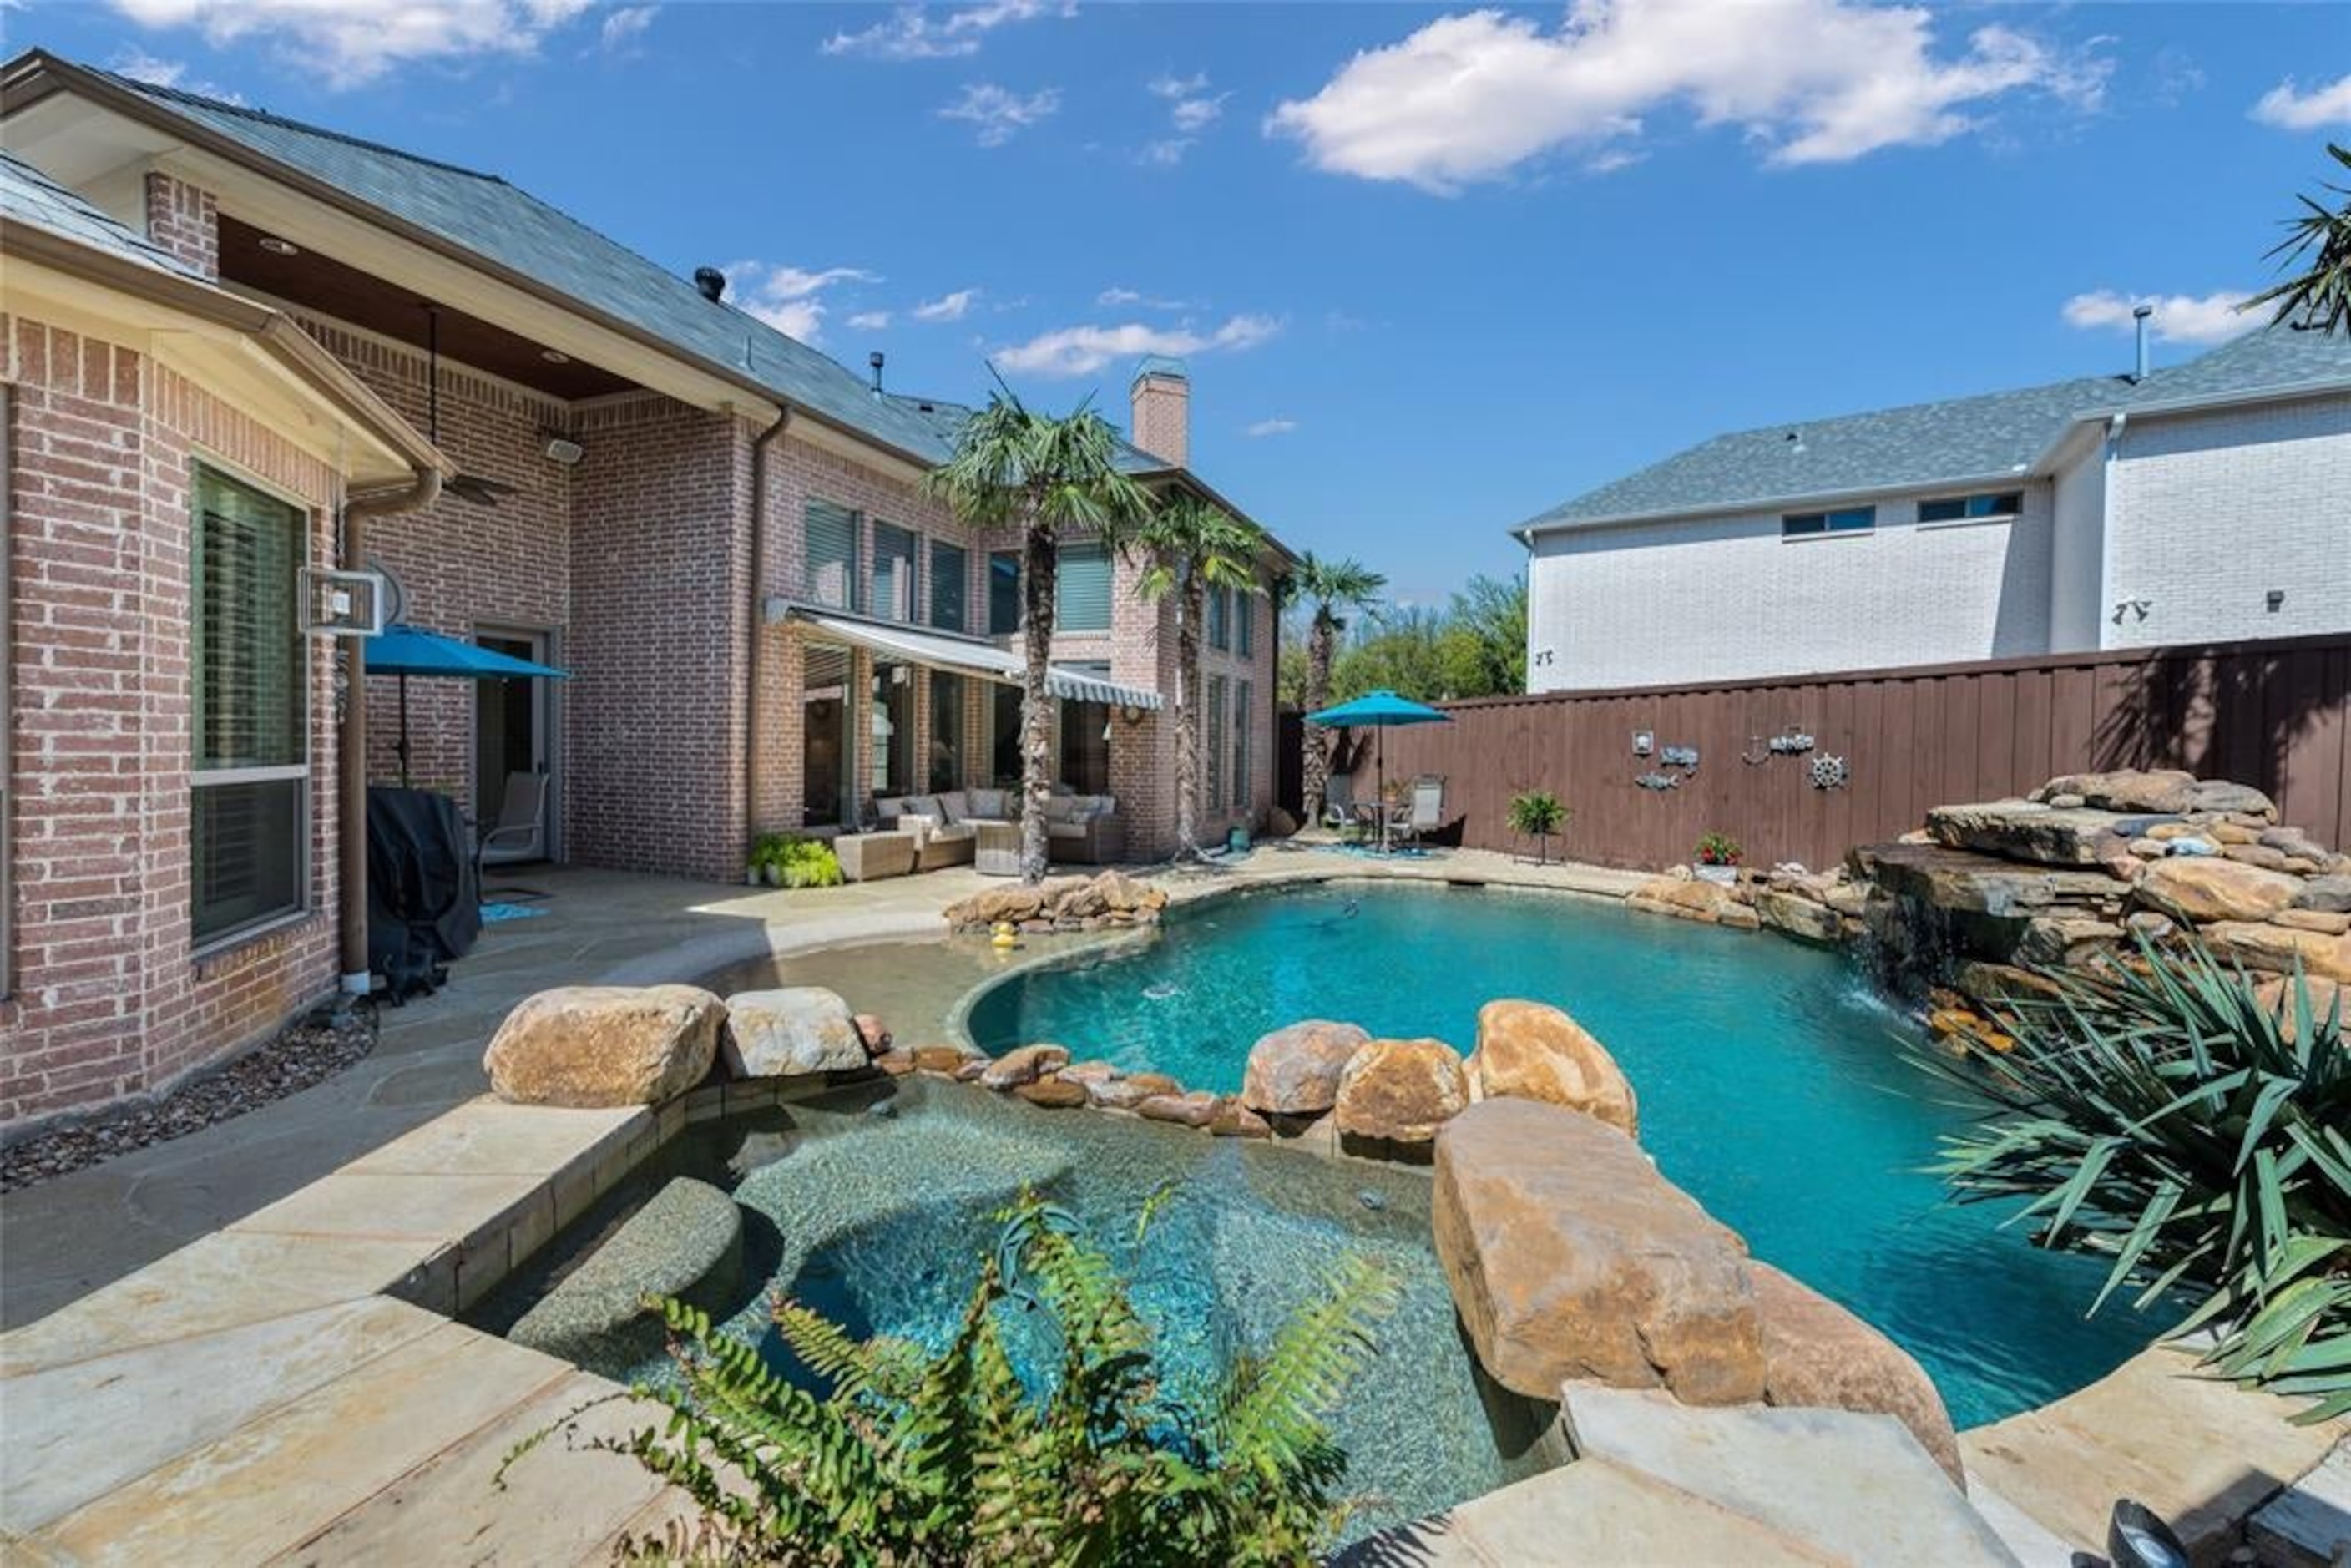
{"x": 405, "y": 650}
{"x": 1378, "y": 710}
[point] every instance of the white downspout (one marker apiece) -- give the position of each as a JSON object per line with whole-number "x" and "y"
{"x": 2109, "y": 457}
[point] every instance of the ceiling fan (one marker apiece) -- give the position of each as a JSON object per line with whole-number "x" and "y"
{"x": 476, "y": 488}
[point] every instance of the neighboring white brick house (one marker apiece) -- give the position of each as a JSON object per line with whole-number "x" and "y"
{"x": 2105, "y": 512}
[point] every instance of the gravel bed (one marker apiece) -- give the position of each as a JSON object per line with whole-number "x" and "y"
{"x": 307, "y": 1051}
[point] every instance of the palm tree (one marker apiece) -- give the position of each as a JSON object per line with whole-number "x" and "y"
{"x": 1337, "y": 588}
{"x": 1189, "y": 547}
{"x": 1020, "y": 474}
{"x": 2318, "y": 300}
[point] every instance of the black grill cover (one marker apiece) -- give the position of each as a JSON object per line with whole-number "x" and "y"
{"x": 423, "y": 905}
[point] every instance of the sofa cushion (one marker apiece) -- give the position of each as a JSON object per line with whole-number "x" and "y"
{"x": 1063, "y": 808}
{"x": 956, "y": 805}
{"x": 926, "y": 806}
{"x": 987, "y": 805}
{"x": 924, "y": 828}
{"x": 889, "y": 806}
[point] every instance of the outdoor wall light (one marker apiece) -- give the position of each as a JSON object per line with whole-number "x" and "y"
{"x": 2276, "y": 600}
{"x": 1130, "y": 713}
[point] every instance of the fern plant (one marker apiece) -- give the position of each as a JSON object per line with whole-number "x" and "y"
{"x": 2161, "y": 1114}
{"x": 953, "y": 1458}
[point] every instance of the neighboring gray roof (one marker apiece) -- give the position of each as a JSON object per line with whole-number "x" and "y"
{"x": 29, "y": 196}
{"x": 1968, "y": 438}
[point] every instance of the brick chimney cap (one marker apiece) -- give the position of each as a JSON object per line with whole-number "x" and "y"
{"x": 1161, "y": 365}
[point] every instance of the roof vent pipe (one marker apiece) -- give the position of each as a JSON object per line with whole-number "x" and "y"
{"x": 2139, "y": 313}
{"x": 874, "y": 359}
{"x": 712, "y": 282}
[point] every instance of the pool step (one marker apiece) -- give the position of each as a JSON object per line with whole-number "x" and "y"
{"x": 1655, "y": 1480}
{"x": 2308, "y": 1525}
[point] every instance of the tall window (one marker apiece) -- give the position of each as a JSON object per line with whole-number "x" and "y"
{"x": 1003, "y": 735}
{"x": 1245, "y": 623}
{"x": 949, "y": 569}
{"x": 893, "y": 572}
{"x": 1220, "y": 617}
{"x": 946, "y": 771}
{"x": 1003, "y": 592}
{"x": 832, "y": 555}
{"x": 1213, "y": 793}
{"x": 1082, "y": 603}
{"x": 891, "y": 754}
{"x": 1242, "y": 729}
{"x": 1085, "y": 746}
{"x": 252, "y": 766}
{"x": 825, "y": 733}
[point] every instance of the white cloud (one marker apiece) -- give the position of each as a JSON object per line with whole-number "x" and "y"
{"x": 623, "y": 25}
{"x": 347, "y": 42}
{"x": 1114, "y": 298}
{"x": 789, "y": 298}
{"x": 2290, "y": 109}
{"x": 1265, "y": 427}
{"x": 141, "y": 65}
{"x": 999, "y": 113}
{"x": 2179, "y": 317}
{"x": 870, "y": 320}
{"x": 911, "y": 34}
{"x": 1472, "y": 97}
{"x": 1081, "y": 350}
{"x": 951, "y": 307}
{"x": 1191, "y": 110}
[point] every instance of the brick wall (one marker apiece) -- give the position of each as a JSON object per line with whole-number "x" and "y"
{"x": 111, "y": 999}
{"x": 184, "y": 220}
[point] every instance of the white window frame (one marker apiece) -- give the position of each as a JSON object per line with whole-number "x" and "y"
{"x": 205, "y": 777}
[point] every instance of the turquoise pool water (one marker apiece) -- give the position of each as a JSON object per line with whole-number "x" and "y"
{"x": 882, "y": 1222}
{"x": 1770, "y": 1081}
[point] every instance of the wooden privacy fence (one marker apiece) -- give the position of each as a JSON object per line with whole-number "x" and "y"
{"x": 2270, "y": 713}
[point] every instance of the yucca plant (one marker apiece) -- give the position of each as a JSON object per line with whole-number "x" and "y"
{"x": 953, "y": 1458}
{"x": 2160, "y": 1114}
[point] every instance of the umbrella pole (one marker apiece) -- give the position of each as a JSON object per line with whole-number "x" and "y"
{"x": 1380, "y": 780}
{"x": 403, "y": 729}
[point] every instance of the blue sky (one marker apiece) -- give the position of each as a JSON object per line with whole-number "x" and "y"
{"x": 1433, "y": 269}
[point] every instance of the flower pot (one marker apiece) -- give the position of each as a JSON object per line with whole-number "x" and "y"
{"x": 1727, "y": 876}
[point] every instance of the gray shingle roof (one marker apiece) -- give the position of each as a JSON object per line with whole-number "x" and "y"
{"x": 29, "y": 196}
{"x": 1928, "y": 443}
{"x": 484, "y": 214}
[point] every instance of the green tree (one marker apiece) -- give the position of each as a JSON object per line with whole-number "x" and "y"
{"x": 951, "y": 1458}
{"x": 1030, "y": 476}
{"x": 2317, "y": 298}
{"x": 1336, "y": 590}
{"x": 1188, "y": 547}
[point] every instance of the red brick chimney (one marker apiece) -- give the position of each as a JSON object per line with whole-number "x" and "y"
{"x": 1162, "y": 395}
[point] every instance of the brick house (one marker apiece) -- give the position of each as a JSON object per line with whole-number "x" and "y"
{"x": 717, "y": 530}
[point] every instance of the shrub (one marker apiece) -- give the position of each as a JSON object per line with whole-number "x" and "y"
{"x": 952, "y": 1458}
{"x": 789, "y": 860}
{"x": 1719, "y": 849}
{"x": 2158, "y": 1113}
{"x": 1539, "y": 812}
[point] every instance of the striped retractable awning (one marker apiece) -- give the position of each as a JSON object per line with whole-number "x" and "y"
{"x": 963, "y": 655}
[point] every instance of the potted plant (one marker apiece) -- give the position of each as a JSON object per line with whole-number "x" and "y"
{"x": 766, "y": 865}
{"x": 786, "y": 860}
{"x": 1717, "y": 858}
{"x": 1539, "y": 812}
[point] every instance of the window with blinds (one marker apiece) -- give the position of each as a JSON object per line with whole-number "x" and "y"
{"x": 1082, "y": 602}
{"x": 1220, "y": 617}
{"x": 1245, "y": 624}
{"x": 893, "y": 572}
{"x": 1003, "y": 592}
{"x": 832, "y": 555}
{"x": 1242, "y": 729}
{"x": 1215, "y": 791}
{"x": 250, "y": 830}
{"x": 950, "y": 570}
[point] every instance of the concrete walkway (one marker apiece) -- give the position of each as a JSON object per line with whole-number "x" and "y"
{"x": 66, "y": 1238}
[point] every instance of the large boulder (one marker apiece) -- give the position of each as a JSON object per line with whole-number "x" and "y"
{"x": 790, "y": 1031}
{"x": 1401, "y": 1091}
{"x": 1528, "y": 1050}
{"x": 2034, "y": 834}
{"x": 1571, "y": 1258}
{"x": 589, "y": 1047}
{"x": 1799, "y": 915}
{"x": 1294, "y": 1071}
{"x": 2241, "y": 799}
{"x": 2280, "y": 949}
{"x": 1815, "y": 1353}
{"x": 1693, "y": 898}
{"x": 2330, "y": 892}
{"x": 1024, "y": 1064}
{"x": 2166, "y": 790}
{"x": 2204, "y": 888}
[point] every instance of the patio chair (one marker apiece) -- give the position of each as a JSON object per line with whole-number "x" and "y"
{"x": 1338, "y": 800}
{"x": 1422, "y": 813}
{"x": 518, "y": 831}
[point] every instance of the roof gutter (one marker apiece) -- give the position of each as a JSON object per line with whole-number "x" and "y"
{"x": 25, "y": 86}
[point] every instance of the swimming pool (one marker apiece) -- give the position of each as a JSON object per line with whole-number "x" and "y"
{"x": 1771, "y": 1078}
